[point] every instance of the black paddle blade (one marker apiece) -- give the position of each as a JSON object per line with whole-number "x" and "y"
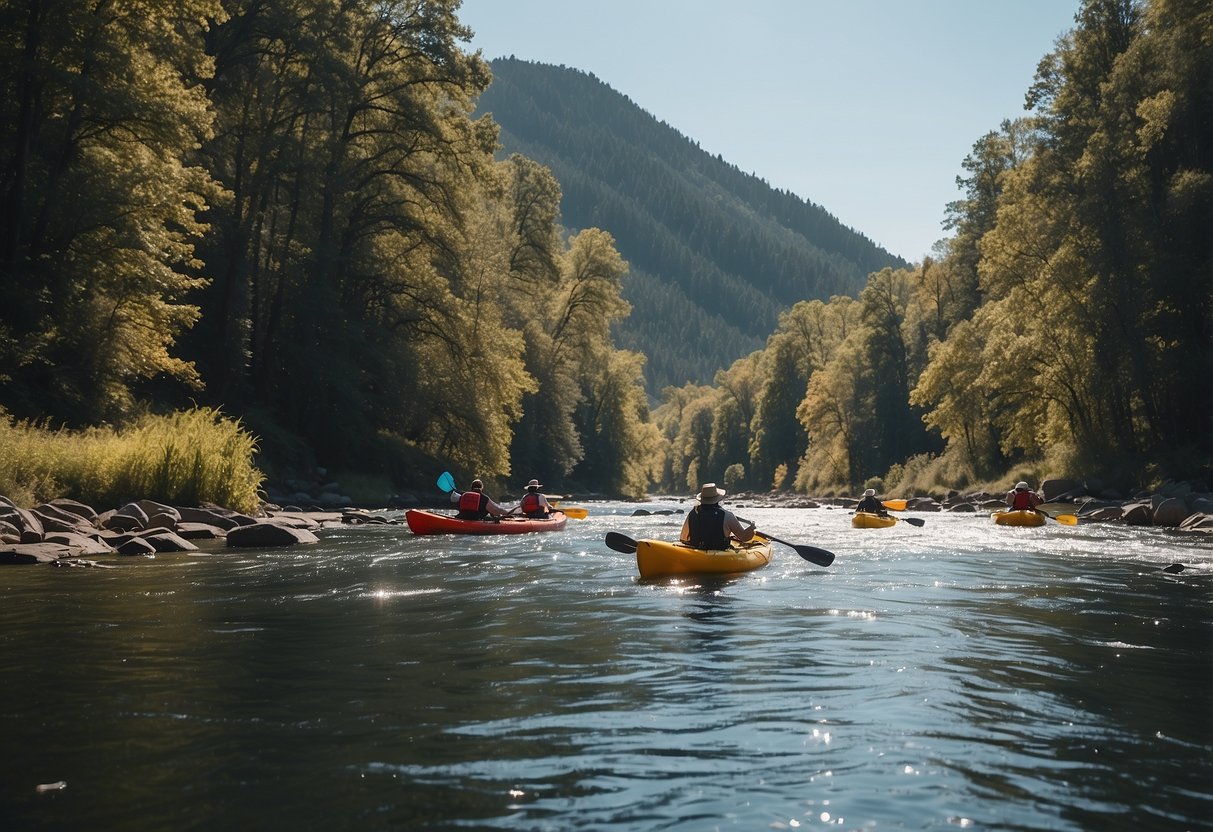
{"x": 620, "y": 543}
{"x": 913, "y": 521}
{"x": 813, "y": 554}
{"x": 821, "y": 557}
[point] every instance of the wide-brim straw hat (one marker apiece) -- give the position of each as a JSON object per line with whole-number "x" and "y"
{"x": 1021, "y": 486}
{"x": 871, "y": 492}
{"x": 710, "y": 494}
{"x": 534, "y": 484}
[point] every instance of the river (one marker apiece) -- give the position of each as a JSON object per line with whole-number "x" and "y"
{"x": 959, "y": 675}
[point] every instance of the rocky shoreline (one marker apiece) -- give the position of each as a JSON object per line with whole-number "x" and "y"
{"x": 1183, "y": 506}
{"x": 65, "y": 532}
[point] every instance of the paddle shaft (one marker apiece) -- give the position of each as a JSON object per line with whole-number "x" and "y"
{"x": 813, "y": 554}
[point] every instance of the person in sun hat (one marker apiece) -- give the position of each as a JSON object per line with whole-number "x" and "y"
{"x": 870, "y": 504}
{"x": 474, "y": 504}
{"x": 534, "y": 504}
{"x": 709, "y": 525}
{"x": 1022, "y": 498}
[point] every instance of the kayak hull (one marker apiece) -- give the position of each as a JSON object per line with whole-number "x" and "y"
{"x": 659, "y": 558}
{"x": 431, "y": 522}
{"x": 871, "y": 520}
{"x": 1019, "y": 518}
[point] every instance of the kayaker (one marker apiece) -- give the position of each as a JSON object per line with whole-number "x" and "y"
{"x": 709, "y": 525}
{"x": 534, "y": 504}
{"x": 1023, "y": 498}
{"x": 870, "y": 504}
{"x": 474, "y": 504}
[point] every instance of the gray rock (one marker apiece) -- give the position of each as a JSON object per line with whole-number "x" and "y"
{"x": 24, "y": 553}
{"x": 77, "y": 508}
{"x": 136, "y": 546}
{"x": 1137, "y": 514}
{"x": 260, "y": 535}
{"x": 167, "y": 541}
{"x": 1171, "y": 512}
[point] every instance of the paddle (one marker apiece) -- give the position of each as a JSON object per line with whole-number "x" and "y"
{"x": 446, "y": 482}
{"x": 620, "y": 543}
{"x": 573, "y": 511}
{"x": 1064, "y": 519}
{"x": 813, "y": 554}
{"x": 895, "y": 505}
{"x": 913, "y": 521}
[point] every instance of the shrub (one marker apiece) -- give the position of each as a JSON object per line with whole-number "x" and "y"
{"x": 183, "y": 458}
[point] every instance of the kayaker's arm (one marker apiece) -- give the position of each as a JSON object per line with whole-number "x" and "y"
{"x": 734, "y": 527}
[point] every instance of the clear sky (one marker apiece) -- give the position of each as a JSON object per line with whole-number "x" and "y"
{"x": 865, "y": 107}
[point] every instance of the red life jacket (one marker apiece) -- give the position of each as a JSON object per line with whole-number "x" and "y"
{"x": 531, "y": 506}
{"x": 472, "y": 503}
{"x": 1022, "y": 501}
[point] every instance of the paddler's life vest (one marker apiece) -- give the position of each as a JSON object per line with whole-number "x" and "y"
{"x": 707, "y": 527}
{"x": 531, "y": 506}
{"x": 1022, "y": 501}
{"x": 471, "y": 505}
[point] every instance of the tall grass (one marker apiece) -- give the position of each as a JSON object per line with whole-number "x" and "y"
{"x": 184, "y": 458}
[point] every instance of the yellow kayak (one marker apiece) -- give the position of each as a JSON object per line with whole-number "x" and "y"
{"x": 1022, "y": 517}
{"x": 657, "y": 558}
{"x": 871, "y": 520}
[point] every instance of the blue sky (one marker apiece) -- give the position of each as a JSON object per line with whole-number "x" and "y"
{"x": 865, "y": 107}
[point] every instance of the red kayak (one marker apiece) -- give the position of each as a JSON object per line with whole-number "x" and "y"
{"x": 431, "y": 522}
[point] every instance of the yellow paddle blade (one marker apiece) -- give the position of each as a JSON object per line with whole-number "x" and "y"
{"x": 1067, "y": 519}
{"x": 574, "y": 512}
{"x": 895, "y": 505}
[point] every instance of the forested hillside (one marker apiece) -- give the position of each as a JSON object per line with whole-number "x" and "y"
{"x": 287, "y": 211}
{"x": 1066, "y": 328}
{"x": 715, "y": 253}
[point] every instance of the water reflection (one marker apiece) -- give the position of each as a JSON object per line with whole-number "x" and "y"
{"x": 929, "y": 678}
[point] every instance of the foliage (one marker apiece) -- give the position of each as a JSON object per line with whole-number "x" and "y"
{"x": 99, "y": 199}
{"x": 184, "y": 458}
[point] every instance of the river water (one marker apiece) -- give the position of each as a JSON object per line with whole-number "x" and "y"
{"x": 959, "y": 675}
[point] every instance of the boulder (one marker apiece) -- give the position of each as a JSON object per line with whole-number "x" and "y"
{"x": 77, "y": 508}
{"x": 1101, "y": 514}
{"x": 134, "y": 510}
{"x": 26, "y": 522}
{"x": 82, "y": 544}
{"x": 963, "y": 508}
{"x": 1137, "y": 514}
{"x": 260, "y": 535}
{"x": 1198, "y": 523}
{"x": 9, "y": 533}
{"x": 57, "y": 520}
{"x": 199, "y": 531}
{"x": 22, "y": 553}
{"x": 152, "y": 508}
{"x": 117, "y": 520}
{"x": 207, "y": 516}
{"x": 136, "y": 546}
{"x": 166, "y": 541}
{"x": 1051, "y": 490}
{"x": 1171, "y": 512}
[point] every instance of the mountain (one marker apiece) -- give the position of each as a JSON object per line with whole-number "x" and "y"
{"x": 715, "y": 253}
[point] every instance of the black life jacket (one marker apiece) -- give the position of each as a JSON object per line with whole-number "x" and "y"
{"x": 531, "y": 506}
{"x": 472, "y": 505}
{"x": 707, "y": 527}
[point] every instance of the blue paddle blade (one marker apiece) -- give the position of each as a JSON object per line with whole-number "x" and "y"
{"x": 446, "y": 482}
